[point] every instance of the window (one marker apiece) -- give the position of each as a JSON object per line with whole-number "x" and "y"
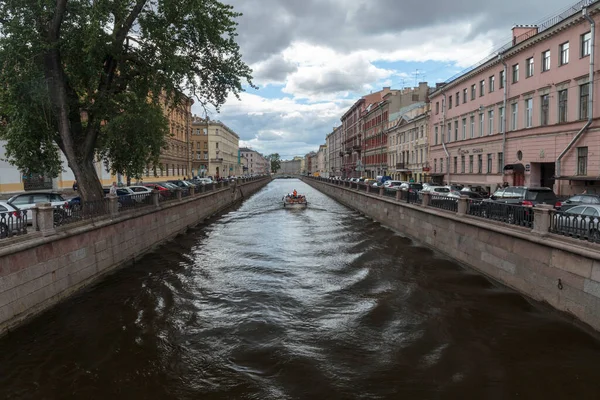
{"x": 435, "y": 165}
{"x": 564, "y": 53}
{"x": 464, "y": 128}
{"x": 422, "y": 129}
{"x": 481, "y": 88}
{"x": 492, "y": 83}
{"x": 479, "y": 163}
{"x": 515, "y": 116}
{"x": 582, "y": 156}
{"x": 545, "y": 60}
{"x": 562, "y": 105}
{"x": 449, "y": 137}
{"x": 500, "y": 162}
{"x": 462, "y": 164}
{"x": 455, "y": 165}
{"x": 449, "y": 102}
{"x": 501, "y": 122}
{"x": 528, "y": 113}
{"x": 464, "y": 95}
{"x": 502, "y": 79}
{"x": 544, "y": 109}
{"x": 481, "y": 122}
{"x": 515, "y": 73}
{"x": 491, "y": 122}
{"x": 471, "y": 164}
{"x": 441, "y": 165}
{"x": 529, "y": 67}
{"x": 473, "y": 91}
{"x": 421, "y": 154}
{"x": 584, "y": 93}
{"x": 217, "y": 144}
{"x": 489, "y": 163}
{"x": 472, "y": 126}
{"x": 586, "y": 40}
{"x": 437, "y": 107}
{"x": 435, "y": 134}
{"x": 455, "y": 130}
{"x": 457, "y": 99}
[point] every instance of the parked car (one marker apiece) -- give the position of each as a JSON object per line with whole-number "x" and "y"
{"x": 471, "y": 195}
{"x": 580, "y": 199}
{"x": 392, "y": 184}
{"x": 140, "y": 193}
{"x": 524, "y": 196}
{"x": 476, "y": 189}
{"x": 11, "y": 220}
{"x": 580, "y": 221}
{"x": 411, "y": 187}
{"x": 204, "y": 181}
{"x": 27, "y": 201}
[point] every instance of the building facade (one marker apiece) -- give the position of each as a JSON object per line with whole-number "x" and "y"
{"x": 176, "y": 158}
{"x": 291, "y": 167}
{"x": 199, "y": 147}
{"x": 352, "y": 134}
{"x": 223, "y": 146}
{"x": 409, "y": 144}
{"x": 253, "y": 163}
{"x": 375, "y": 120}
{"x": 334, "y": 148}
{"x": 526, "y": 115}
{"x": 321, "y": 167}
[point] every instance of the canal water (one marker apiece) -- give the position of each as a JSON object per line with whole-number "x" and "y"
{"x": 323, "y": 303}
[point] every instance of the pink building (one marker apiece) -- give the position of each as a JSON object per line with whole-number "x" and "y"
{"x": 527, "y": 114}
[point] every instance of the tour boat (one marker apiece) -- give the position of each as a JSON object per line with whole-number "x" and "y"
{"x": 298, "y": 201}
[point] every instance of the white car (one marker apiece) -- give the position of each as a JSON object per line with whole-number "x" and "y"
{"x": 392, "y": 184}
{"x": 140, "y": 192}
{"x": 204, "y": 181}
{"x": 10, "y": 220}
{"x": 27, "y": 201}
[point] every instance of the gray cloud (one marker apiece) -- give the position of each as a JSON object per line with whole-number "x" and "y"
{"x": 346, "y": 25}
{"x": 275, "y": 69}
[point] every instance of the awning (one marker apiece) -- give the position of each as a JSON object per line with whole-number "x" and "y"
{"x": 576, "y": 178}
{"x": 437, "y": 174}
{"x": 519, "y": 168}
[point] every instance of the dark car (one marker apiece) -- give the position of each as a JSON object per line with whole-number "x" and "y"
{"x": 577, "y": 200}
{"x": 524, "y": 196}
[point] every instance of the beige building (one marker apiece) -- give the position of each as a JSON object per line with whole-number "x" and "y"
{"x": 176, "y": 159}
{"x": 223, "y": 146}
{"x": 322, "y": 161}
{"x": 408, "y": 147}
{"x": 199, "y": 146}
{"x": 253, "y": 162}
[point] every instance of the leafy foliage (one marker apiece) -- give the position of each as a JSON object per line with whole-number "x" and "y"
{"x": 275, "y": 162}
{"x": 92, "y": 77}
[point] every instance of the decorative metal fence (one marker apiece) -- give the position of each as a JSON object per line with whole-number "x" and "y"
{"x": 508, "y": 213}
{"x": 74, "y": 212}
{"x": 581, "y": 227}
{"x": 134, "y": 201}
{"x": 444, "y": 203}
{"x": 13, "y": 223}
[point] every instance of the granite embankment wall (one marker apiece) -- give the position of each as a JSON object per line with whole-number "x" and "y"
{"x": 561, "y": 271}
{"x": 38, "y": 271}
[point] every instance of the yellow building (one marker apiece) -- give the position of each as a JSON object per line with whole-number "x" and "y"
{"x": 223, "y": 150}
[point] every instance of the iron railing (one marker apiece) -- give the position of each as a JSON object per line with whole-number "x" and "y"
{"x": 444, "y": 203}
{"x": 13, "y": 223}
{"x": 576, "y": 226}
{"x": 74, "y": 212}
{"x": 134, "y": 201}
{"x": 410, "y": 196}
{"x": 508, "y": 213}
{"x": 387, "y": 192}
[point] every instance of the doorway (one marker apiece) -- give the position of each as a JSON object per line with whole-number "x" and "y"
{"x": 547, "y": 174}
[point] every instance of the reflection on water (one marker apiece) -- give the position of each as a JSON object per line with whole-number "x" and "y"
{"x": 322, "y": 303}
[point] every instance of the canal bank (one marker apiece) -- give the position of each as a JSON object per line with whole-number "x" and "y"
{"x": 41, "y": 269}
{"x": 563, "y": 272}
{"x": 278, "y": 304}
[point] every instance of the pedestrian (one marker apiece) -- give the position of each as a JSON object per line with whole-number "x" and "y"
{"x": 75, "y": 186}
{"x": 113, "y": 189}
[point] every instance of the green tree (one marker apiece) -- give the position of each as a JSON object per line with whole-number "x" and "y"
{"x": 90, "y": 77}
{"x": 275, "y": 162}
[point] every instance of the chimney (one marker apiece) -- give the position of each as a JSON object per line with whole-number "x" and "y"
{"x": 523, "y": 32}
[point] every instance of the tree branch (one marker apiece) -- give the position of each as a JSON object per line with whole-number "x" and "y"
{"x": 54, "y": 28}
{"x": 110, "y": 68}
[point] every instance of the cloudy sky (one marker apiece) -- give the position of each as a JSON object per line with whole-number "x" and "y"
{"x": 312, "y": 59}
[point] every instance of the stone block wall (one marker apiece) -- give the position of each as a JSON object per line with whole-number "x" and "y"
{"x": 36, "y": 272}
{"x": 560, "y": 271}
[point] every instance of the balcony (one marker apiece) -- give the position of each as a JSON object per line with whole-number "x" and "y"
{"x": 216, "y": 160}
{"x": 357, "y": 148}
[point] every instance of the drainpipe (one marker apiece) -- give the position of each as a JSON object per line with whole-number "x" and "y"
{"x": 505, "y": 84}
{"x": 590, "y": 98}
{"x": 444, "y": 136}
